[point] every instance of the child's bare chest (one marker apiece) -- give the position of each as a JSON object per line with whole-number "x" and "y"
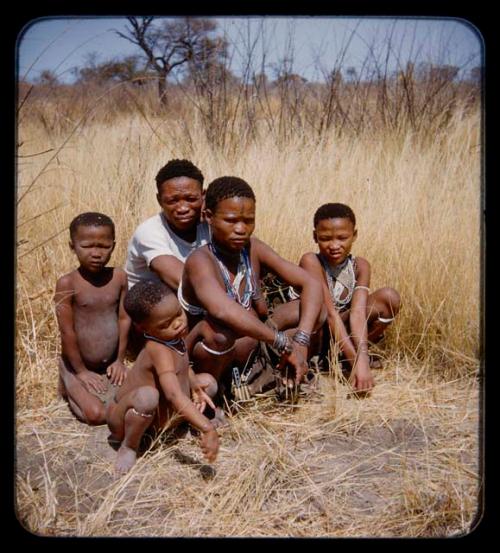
{"x": 92, "y": 298}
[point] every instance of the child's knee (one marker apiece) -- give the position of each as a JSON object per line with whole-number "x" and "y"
{"x": 146, "y": 399}
{"x": 392, "y": 301}
{"x": 95, "y": 414}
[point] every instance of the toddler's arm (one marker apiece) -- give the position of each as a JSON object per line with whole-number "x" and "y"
{"x": 165, "y": 368}
{"x": 199, "y": 395}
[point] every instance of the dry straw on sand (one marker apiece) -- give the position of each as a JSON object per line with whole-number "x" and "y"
{"x": 403, "y": 462}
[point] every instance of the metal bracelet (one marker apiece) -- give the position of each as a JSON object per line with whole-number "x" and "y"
{"x": 282, "y": 343}
{"x": 302, "y": 337}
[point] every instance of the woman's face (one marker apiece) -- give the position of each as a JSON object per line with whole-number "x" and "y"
{"x": 232, "y": 222}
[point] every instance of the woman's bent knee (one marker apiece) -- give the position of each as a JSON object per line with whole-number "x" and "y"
{"x": 208, "y": 383}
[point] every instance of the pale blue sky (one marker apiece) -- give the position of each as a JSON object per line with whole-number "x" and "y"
{"x": 319, "y": 44}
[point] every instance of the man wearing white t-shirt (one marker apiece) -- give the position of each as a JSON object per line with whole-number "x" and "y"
{"x": 160, "y": 245}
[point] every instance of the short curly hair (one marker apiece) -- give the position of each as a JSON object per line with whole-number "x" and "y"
{"x": 90, "y": 219}
{"x": 179, "y": 168}
{"x": 223, "y": 188}
{"x": 142, "y": 297}
{"x": 334, "y": 211}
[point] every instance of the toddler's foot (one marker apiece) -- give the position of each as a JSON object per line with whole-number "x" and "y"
{"x": 125, "y": 459}
{"x": 376, "y": 362}
{"x": 114, "y": 442}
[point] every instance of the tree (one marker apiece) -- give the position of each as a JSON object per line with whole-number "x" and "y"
{"x": 126, "y": 69}
{"x": 351, "y": 73}
{"x": 173, "y": 44}
{"x": 48, "y": 78}
{"x": 438, "y": 74}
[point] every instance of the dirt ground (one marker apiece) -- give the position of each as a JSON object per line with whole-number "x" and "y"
{"x": 403, "y": 462}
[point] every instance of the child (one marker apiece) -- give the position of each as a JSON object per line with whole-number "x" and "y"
{"x": 355, "y": 316}
{"x": 92, "y": 322}
{"x": 160, "y": 383}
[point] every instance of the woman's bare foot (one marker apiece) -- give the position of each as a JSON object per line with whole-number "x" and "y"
{"x": 125, "y": 459}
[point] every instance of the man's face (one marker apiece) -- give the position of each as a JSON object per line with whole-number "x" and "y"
{"x": 181, "y": 199}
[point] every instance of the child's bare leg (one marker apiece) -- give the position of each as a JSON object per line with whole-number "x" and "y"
{"x": 382, "y": 307}
{"x": 86, "y": 407}
{"x": 128, "y": 420}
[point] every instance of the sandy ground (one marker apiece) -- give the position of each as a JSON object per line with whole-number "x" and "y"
{"x": 403, "y": 462}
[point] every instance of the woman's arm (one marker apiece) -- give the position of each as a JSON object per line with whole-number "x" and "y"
{"x": 311, "y": 297}
{"x": 169, "y": 269}
{"x": 200, "y": 276}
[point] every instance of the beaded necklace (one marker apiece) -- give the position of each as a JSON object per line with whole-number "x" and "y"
{"x": 339, "y": 278}
{"x": 243, "y": 271}
{"x": 170, "y": 343}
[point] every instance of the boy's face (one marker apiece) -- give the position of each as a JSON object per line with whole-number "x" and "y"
{"x": 181, "y": 199}
{"x": 335, "y": 238}
{"x": 167, "y": 320}
{"x": 93, "y": 246}
{"x": 232, "y": 222}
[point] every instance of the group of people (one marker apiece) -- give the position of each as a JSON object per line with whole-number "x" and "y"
{"x": 188, "y": 309}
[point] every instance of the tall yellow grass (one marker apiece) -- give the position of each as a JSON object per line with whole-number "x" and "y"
{"x": 418, "y": 204}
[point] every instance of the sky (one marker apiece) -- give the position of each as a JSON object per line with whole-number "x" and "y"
{"x": 317, "y": 44}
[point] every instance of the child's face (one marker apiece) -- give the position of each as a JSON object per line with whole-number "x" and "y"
{"x": 167, "y": 320}
{"x": 93, "y": 246}
{"x": 232, "y": 222}
{"x": 181, "y": 199}
{"x": 335, "y": 238}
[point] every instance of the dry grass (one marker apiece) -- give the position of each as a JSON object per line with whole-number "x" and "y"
{"x": 403, "y": 462}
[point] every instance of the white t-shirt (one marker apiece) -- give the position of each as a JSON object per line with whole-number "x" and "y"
{"x": 154, "y": 237}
